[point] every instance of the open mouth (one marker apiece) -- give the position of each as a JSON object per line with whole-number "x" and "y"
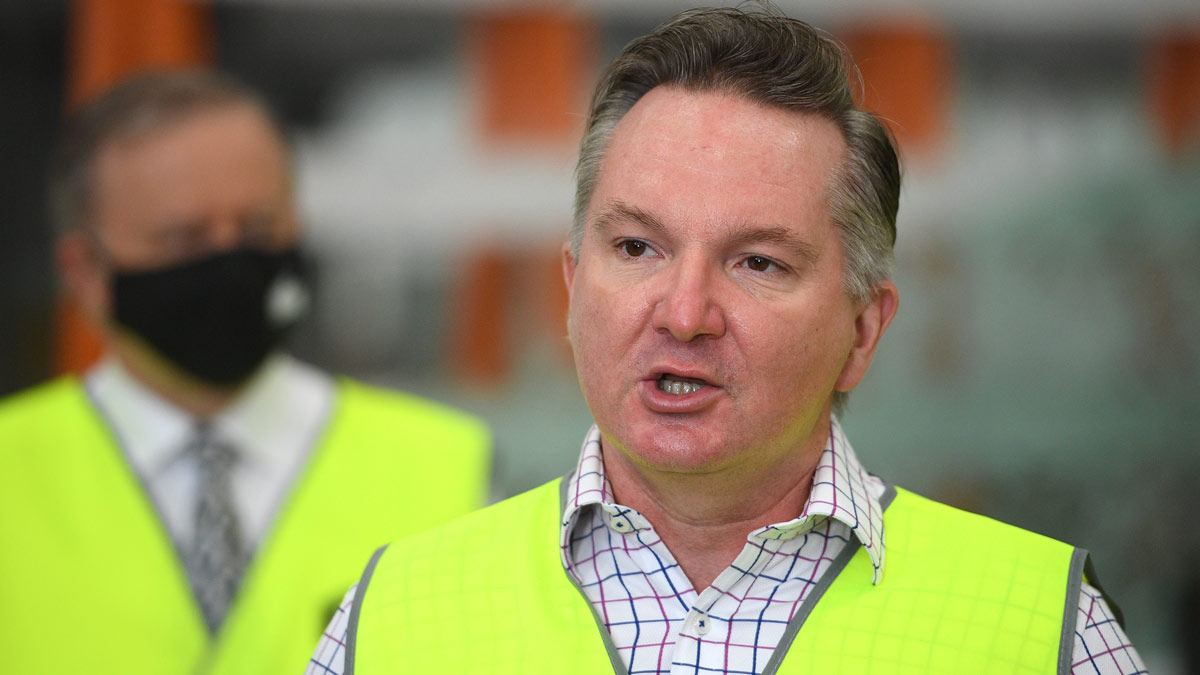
{"x": 678, "y": 385}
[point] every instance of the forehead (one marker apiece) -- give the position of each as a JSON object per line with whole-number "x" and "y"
{"x": 717, "y": 156}
{"x": 226, "y": 134}
{"x": 220, "y": 158}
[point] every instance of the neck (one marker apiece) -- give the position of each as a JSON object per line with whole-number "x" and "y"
{"x": 199, "y": 399}
{"x": 704, "y": 518}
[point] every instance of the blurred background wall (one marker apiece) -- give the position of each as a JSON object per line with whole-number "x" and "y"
{"x": 1045, "y": 364}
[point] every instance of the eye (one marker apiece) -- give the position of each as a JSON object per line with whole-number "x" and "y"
{"x": 633, "y": 248}
{"x": 758, "y": 263}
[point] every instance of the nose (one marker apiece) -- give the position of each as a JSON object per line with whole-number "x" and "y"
{"x": 224, "y": 233}
{"x": 688, "y": 305}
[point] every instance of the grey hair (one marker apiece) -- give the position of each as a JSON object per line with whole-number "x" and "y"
{"x": 136, "y": 106}
{"x": 776, "y": 61}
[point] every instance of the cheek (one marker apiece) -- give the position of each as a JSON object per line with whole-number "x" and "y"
{"x": 583, "y": 329}
{"x": 795, "y": 350}
{"x": 603, "y": 326}
{"x": 592, "y": 368}
{"x": 601, "y": 314}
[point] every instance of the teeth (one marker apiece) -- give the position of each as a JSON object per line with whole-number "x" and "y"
{"x": 678, "y": 388}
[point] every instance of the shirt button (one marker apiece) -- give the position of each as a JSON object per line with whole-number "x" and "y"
{"x": 620, "y": 524}
{"x": 703, "y": 623}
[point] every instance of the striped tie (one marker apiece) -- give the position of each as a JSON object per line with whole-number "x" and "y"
{"x": 217, "y": 557}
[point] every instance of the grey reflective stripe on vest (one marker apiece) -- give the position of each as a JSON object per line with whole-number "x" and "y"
{"x": 1066, "y": 642}
{"x": 356, "y": 611}
{"x": 814, "y": 596}
{"x": 613, "y": 656}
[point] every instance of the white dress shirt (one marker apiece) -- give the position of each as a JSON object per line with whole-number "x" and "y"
{"x": 272, "y": 425}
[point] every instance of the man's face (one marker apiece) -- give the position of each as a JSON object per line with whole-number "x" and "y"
{"x": 710, "y": 258}
{"x": 212, "y": 182}
{"x": 207, "y": 184}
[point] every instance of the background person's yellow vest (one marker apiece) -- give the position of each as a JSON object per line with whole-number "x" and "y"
{"x": 487, "y": 594}
{"x": 91, "y": 583}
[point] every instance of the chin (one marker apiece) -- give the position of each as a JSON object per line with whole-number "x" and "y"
{"x": 677, "y": 448}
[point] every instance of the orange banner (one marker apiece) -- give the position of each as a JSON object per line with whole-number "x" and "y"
{"x": 108, "y": 40}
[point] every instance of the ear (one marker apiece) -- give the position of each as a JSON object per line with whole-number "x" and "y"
{"x": 568, "y": 265}
{"x": 869, "y": 326}
{"x": 83, "y": 273}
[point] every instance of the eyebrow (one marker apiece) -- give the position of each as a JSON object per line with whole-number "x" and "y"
{"x": 743, "y": 233}
{"x": 618, "y": 211}
{"x": 755, "y": 234}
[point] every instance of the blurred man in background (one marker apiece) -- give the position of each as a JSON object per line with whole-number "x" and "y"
{"x": 729, "y": 279}
{"x": 199, "y": 501}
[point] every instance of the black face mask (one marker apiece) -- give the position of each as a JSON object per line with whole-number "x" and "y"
{"x": 216, "y": 318}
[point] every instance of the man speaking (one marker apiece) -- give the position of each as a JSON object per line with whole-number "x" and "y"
{"x": 728, "y": 272}
{"x": 198, "y": 501}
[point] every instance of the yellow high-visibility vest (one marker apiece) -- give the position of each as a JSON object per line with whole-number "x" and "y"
{"x": 91, "y": 583}
{"x": 487, "y": 593}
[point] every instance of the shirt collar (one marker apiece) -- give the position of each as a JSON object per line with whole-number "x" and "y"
{"x": 839, "y": 491}
{"x": 153, "y": 432}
